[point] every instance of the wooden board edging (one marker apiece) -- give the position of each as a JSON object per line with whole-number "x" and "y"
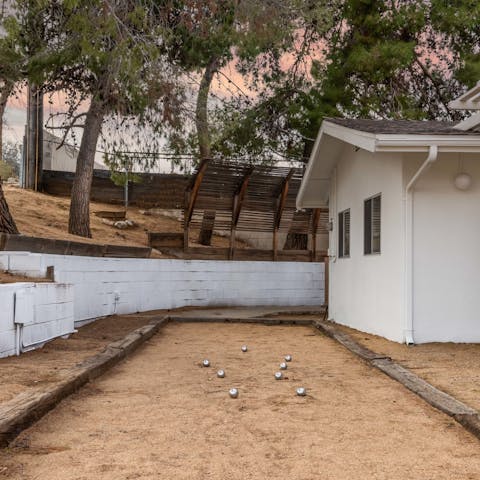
{"x": 25, "y": 409}
{"x": 466, "y": 416}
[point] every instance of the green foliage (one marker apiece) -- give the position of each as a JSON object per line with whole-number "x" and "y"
{"x": 378, "y": 59}
{"x": 6, "y": 170}
{"x": 12, "y": 157}
{"x": 121, "y": 166}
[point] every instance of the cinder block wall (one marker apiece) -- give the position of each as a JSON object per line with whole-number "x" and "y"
{"x": 103, "y": 286}
{"x": 91, "y": 287}
{"x": 32, "y": 314}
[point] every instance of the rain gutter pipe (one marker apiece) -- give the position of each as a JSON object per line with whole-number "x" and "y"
{"x": 409, "y": 225}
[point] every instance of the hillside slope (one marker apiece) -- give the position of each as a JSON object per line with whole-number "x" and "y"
{"x": 42, "y": 215}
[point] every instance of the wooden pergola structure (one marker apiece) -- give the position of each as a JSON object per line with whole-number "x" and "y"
{"x": 250, "y": 198}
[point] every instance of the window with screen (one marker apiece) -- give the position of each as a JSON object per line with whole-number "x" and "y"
{"x": 372, "y": 224}
{"x": 344, "y": 234}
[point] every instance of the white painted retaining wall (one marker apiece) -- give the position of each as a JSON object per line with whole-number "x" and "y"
{"x": 104, "y": 286}
{"x": 33, "y": 313}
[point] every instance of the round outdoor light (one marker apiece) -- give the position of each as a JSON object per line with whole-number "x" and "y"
{"x": 301, "y": 391}
{"x": 233, "y": 392}
{"x": 288, "y": 358}
{"x": 278, "y": 375}
{"x": 206, "y": 363}
{"x": 463, "y": 181}
{"x": 221, "y": 374}
{"x": 244, "y": 348}
{"x": 283, "y": 366}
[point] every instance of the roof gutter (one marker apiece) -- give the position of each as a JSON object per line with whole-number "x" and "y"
{"x": 408, "y": 254}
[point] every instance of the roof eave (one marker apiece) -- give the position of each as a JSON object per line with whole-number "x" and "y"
{"x": 422, "y": 143}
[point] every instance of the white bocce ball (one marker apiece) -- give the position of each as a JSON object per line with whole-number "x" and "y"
{"x": 244, "y": 348}
{"x": 288, "y": 358}
{"x": 221, "y": 374}
{"x": 301, "y": 391}
{"x": 278, "y": 375}
{"x": 206, "y": 363}
{"x": 283, "y": 366}
{"x": 233, "y": 392}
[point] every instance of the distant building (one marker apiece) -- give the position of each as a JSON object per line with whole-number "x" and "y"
{"x": 62, "y": 159}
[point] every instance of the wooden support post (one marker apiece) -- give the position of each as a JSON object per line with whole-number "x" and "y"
{"x": 190, "y": 198}
{"x": 237, "y": 208}
{"x": 315, "y": 220}
{"x": 278, "y": 214}
{"x": 186, "y": 223}
{"x": 275, "y": 245}
{"x": 327, "y": 279}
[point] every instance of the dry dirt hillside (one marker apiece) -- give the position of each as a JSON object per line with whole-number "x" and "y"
{"x": 42, "y": 215}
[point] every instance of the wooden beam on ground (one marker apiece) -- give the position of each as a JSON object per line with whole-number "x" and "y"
{"x": 279, "y": 212}
{"x": 237, "y": 208}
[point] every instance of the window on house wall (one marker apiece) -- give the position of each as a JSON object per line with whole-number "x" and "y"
{"x": 372, "y": 224}
{"x": 344, "y": 233}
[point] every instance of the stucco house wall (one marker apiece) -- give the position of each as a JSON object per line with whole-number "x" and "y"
{"x": 446, "y": 252}
{"x": 366, "y": 291}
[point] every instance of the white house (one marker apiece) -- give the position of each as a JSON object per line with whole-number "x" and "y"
{"x": 404, "y": 246}
{"x": 61, "y": 157}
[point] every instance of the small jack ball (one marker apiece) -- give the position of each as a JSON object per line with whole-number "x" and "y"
{"x": 283, "y": 366}
{"x": 244, "y": 348}
{"x": 301, "y": 391}
{"x": 206, "y": 363}
{"x": 221, "y": 374}
{"x": 288, "y": 358}
{"x": 278, "y": 375}
{"x": 233, "y": 392}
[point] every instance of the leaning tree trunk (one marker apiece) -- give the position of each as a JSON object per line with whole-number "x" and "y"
{"x": 79, "y": 220}
{"x": 204, "y": 141}
{"x": 7, "y": 223}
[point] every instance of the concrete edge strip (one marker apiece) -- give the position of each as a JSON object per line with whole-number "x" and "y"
{"x": 466, "y": 416}
{"x": 25, "y": 409}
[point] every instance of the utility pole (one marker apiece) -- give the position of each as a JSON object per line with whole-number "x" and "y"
{"x": 33, "y": 157}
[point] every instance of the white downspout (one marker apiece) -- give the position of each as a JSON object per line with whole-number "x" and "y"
{"x": 408, "y": 198}
{"x": 332, "y": 247}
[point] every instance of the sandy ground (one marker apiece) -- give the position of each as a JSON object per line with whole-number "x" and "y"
{"x": 50, "y": 364}
{"x": 159, "y": 414}
{"x": 7, "y": 277}
{"x": 452, "y": 367}
{"x": 42, "y": 215}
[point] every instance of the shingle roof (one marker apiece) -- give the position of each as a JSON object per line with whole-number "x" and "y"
{"x": 402, "y": 127}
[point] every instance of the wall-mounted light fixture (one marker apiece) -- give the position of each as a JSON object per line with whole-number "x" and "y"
{"x": 462, "y": 181}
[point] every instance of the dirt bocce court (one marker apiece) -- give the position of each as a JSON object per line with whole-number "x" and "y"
{"x": 160, "y": 414}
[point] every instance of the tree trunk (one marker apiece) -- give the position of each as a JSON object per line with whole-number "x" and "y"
{"x": 5, "y": 92}
{"x": 296, "y": 241}
{"x": 7, "y": 223}
{"x": 203, "y": 132}
{"x": 205, "y": 235}
{"x": 79, "y": 220}
{"x": 204, "y": 141}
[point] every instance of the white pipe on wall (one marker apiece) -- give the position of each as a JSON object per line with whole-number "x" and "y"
{"x": 409, "y": 225}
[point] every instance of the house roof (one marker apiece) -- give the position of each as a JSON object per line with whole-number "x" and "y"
{"x": 404, "y": 136}
{"x": 412, "y": 127}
